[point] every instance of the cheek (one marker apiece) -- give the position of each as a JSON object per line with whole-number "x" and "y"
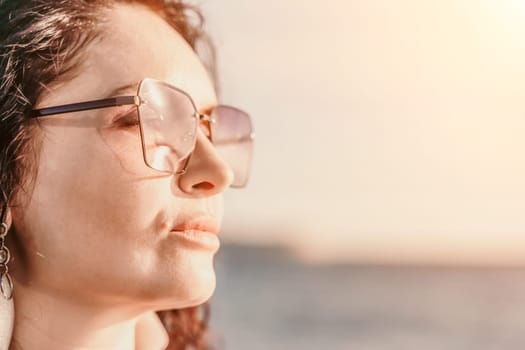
{"x": 88, "y": 163}
{"x": 93, "y": 182}
{"x": 123, "y": 147}
{"x": 94, "y": 204}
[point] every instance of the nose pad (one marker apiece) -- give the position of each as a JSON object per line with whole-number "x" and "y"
{"x": 205, "y": 172}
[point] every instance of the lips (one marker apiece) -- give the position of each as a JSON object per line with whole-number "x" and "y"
{"x": 197, "y": 232}
{"x": 197, "y": 224}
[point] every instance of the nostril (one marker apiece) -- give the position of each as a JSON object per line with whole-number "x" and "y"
{"x": 204, "y": 186}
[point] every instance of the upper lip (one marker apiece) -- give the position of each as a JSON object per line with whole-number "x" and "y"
{"x": 197, "y": 223}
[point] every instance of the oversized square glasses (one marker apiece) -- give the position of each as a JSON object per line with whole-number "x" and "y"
{"x": 169, "y": 120}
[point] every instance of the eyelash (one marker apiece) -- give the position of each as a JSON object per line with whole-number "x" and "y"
{"x": 128, "y": 119}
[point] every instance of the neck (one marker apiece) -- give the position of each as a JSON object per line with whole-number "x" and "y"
{"x": 43, "y": 321}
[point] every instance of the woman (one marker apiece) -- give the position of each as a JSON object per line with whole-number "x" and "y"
{"x": 113, "y": 158}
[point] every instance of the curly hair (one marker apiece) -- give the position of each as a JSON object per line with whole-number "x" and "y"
{"x": 42, "y": 41}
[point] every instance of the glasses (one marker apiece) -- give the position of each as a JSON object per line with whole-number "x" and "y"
{"x": 169, "y": 121}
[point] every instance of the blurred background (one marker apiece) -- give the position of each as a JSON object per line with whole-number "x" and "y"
{"x": 386, "y": 204}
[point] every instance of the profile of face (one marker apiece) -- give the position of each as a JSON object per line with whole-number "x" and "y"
{"x": 97, "y": 225}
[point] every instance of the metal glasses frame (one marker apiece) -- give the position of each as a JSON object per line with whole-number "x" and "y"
{"x": 116, "y": 102}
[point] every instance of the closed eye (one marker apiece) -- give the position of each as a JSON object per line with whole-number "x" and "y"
{"x": 127, "y": 119}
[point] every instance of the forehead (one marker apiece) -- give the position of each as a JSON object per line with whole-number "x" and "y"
{"x": 136, "y": 43}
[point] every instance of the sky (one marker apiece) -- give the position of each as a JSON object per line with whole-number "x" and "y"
{"x": 386, "y": 131}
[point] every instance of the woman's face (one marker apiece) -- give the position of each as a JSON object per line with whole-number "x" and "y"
{"x": 97, "y": 224}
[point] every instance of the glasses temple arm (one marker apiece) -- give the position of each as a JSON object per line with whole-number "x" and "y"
{"x": 85, "y": 106}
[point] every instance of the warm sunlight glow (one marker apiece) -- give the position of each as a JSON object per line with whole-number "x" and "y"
{"x": 386, "y": 130}
{"x": 507, "y": 15}
{"x": 515, "y": 8}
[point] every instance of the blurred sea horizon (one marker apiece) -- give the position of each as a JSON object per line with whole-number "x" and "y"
{"x": 267, "y": 298}
{"x": 389, "y": 134}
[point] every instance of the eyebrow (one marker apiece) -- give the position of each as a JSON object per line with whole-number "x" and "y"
{"x": 124, "y": 88}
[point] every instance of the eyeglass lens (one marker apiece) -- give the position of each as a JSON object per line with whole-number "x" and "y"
{"x": 232, "y": 136}
{"x": 169, "y": 121}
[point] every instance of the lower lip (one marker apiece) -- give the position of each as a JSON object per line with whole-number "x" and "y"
{"x": 199, "y": 239}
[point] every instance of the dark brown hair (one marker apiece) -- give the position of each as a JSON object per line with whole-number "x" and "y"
{"x": 41, "y": 41}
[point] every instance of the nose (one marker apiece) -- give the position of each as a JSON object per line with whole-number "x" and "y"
{"x": 206, "y": 172}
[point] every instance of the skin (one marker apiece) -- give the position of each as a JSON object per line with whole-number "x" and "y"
{"x": 98, "y": 258}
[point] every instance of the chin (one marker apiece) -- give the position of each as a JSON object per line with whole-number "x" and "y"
{"x": 185, "y": 292}
{"x": 201, "y": 291}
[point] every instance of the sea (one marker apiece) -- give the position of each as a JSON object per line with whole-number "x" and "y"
{"x": 268, "y": 299}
